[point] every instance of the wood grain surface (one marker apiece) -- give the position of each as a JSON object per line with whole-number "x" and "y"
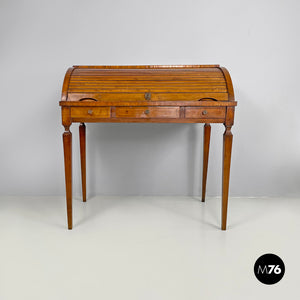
{"x": 130, "y": 83}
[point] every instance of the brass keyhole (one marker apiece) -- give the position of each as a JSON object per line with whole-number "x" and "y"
{"x": 204, "y": 112}
{"x": 148, "y": 96}
{"x": 147, "y": 111}
{"x": 90, "y": 111}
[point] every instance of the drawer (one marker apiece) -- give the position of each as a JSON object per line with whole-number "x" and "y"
{"x": 205, "y": 112}
{"x": 90, "y": 112}
{"x": 147, "y": 112}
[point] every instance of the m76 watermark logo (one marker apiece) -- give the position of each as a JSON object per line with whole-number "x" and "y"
{"x": 272, "y": 268}
{"x": 269, "y": 268}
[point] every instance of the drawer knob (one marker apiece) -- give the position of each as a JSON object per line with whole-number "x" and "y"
{"x": 204, "y": 112}
{"x": 90, "y": 111}
{"x": 147, "y": 111}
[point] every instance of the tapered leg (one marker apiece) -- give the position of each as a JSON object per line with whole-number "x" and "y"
{"x": 227, "y": 145}
{"x": 83, "y": 159}
{"x": 67, "y": 141}
{"x": 206, "y": 141}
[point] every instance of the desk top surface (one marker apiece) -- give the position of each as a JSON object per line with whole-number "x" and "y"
{"x": 147, "y": 83}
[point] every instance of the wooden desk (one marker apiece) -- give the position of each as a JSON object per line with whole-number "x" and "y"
{"x": 147, "y": 94}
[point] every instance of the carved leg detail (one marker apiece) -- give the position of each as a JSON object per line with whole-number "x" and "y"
{"x": 206, "y": 142}
{"x": 83, "y": 159}
{"x": 67, "y": 141}
{"x": 227, "y": 145}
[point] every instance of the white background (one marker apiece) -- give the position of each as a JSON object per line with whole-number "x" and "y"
{"x": 258, "y": 41}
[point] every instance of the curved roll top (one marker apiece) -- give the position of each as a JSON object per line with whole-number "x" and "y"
{"x": 147, "y": 83}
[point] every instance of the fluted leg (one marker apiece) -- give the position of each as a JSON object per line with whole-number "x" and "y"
{"x": 67, "y": 142}
{"x": 83, "y": 159}
{"x": 227, "y": 145}
{"x": 206, "y": 142}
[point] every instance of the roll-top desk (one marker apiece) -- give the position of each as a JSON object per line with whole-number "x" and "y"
{"x": 147, "y": 94}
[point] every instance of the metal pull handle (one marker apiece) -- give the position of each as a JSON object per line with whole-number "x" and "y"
{"x": 90, "y": 112}
{"x": 204, "y": 112}
{"x": 147, "y": 111}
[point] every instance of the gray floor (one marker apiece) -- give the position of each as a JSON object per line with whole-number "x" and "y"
{"x": 145, "y": 248}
